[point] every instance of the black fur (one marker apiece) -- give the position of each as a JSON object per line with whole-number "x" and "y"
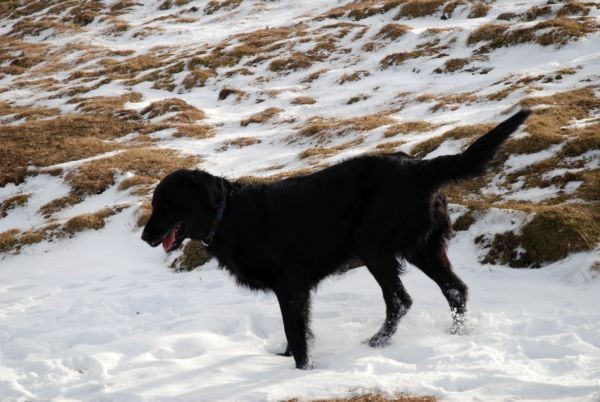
{"x": 289, "y": 235}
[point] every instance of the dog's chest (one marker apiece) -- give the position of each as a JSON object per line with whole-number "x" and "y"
{"x": 252, "y": 274}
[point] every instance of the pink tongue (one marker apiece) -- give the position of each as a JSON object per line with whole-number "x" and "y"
{"x": 169, "y": 240}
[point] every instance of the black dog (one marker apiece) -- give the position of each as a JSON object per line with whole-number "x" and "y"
{"x": 289, "y": 235}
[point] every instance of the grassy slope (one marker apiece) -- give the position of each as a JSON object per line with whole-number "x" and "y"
{"x": 84, "y": 78}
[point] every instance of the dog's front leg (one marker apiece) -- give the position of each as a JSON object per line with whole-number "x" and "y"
{"x": 295, "y": 310}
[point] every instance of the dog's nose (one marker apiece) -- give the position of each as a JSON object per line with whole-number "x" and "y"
{"x": 145, "y": 236}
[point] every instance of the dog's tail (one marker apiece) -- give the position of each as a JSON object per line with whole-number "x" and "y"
{"x": 473, "y": 161}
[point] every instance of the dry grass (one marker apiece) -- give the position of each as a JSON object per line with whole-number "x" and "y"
{"x": 554, "y": 232}
{"x": 507, "y": 16}
{"x": 33, "y": 27}
{"x": 324, "y": 152}
{"x": 184, "y": 112}
{"x": 198, "y": 131}
{"x": 418, "y": 126}
{"x": 392, "y": 31}
{"x": 479, "y": 10}
{"x": 450, "y": 101}
{"x": 261, "y": 117}
{"x": 303, "y": 100}
{"x": 239, "y": 142}
{"x": 14, "y": 239}
{"x": 574, "y": 8}
{"x": 226, "y": 92}
{"x": 197, "y": 77}
{"x": 193, "y": 255}
{"x": 452, "y": 65}
{"x": 376, "y": 398}
{"x": 293, "y": 62}
{"x": 93, "y": 221}
{"x": 64, "y": 138}
{"x": 536, "y": 11}
{"x": 105, "y": 104}
{"x": 355, "y": 76}
{"x": 419, "y": 8}
{"x": 358, "y": 10}
{"x": 60, "y": 203}
{"x": 13, "y": 202}
{"x": 153, "y": 164}
{"x": 557, "y": 32}
{"x": 322, "y": 128}
{"x": 225, "y": 5}
{"x": 143, "y": 214}
{"x": 388, "y": 147}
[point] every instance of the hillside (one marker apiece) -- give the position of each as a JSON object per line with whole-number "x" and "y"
{"x": 99, "y": 99}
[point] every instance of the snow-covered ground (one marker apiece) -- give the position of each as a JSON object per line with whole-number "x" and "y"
{"x": 99, "y": 317}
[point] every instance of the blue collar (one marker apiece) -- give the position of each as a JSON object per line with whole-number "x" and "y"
{"x": 213, "y": 230}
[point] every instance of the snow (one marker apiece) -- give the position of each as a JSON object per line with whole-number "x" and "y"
{"x": 105, "y": 320}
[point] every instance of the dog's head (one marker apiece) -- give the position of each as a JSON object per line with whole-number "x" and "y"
{"x": 184, "y": 205}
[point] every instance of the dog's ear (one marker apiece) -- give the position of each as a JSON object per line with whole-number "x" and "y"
{"x": 213, "y": 186}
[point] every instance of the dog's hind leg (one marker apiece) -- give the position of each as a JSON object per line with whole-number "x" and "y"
{"x": 294, "y": 302}
{"x": 433, "y": 261}
{"x": 384, "y": 266}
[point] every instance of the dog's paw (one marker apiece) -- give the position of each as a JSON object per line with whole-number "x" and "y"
{"x": 378, "y": 341}
{"x": 307, "y": 365}
{"x": 286, "y": 353}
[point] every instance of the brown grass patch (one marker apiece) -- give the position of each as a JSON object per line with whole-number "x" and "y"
{"x": 198, "y": 131}
{"x": 392, "y": 31}
{"x": 14, "y": 239}
{"x": 388, "y": 147}
{"x": 13, "y": 202}
{"x": 303, "y": 100}
{"x": 479, "y": 10}
{"x": 451, "y": 101}
{"x": 574, "y": 8}
{"x": 93, "y": 221}
{"x": 262, "y": 117}
{"x": 185, "y": 113}
{"x": 226, "y": 92}
{"x": 153, "y": 164}
{"x": 105, "y": 104}
{"x": 324, "y": 152}
{"x": 564, "y": 107}
{"x": 197, "y": 77}
{"x": 418, "y": 126}
{"x": 33, "y": 27}
{"x": 192, "y": 256}
{"x": 60, "y": 203}
{"x": 61, "y": 139}
{"x": 355, "y": 76}
{"x": 17, "y": 112}
{"x": 507, "y": 16}
{"x": 554, "y": 232}
{"x": 239, "y": 142}
{"x": 296, "y": 61}
{"x": 143, "y": 214}
{"x": 536, "y": 11}
{"x": 376, "y": 398}
{"x": 452, "y": 65}
{"x": 225, "y": 5}
{"x": 361, "y": 9}
{"x": 419, "y": 8}
{"x": 557, "y": 32}
{"x": 323, "y": 128}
